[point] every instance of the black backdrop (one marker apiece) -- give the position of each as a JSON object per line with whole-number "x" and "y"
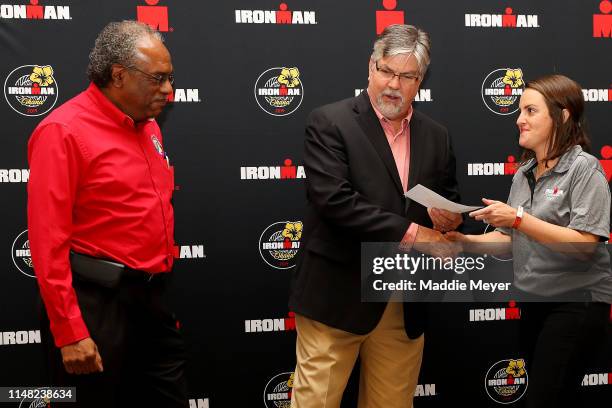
{"x": 230, "y": 300}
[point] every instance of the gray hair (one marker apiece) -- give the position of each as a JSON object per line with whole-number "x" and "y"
{"x": 403, "y": 39}
{"x": 116, "y": 44}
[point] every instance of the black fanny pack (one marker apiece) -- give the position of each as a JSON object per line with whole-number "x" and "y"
{"x": 100, "y": 271}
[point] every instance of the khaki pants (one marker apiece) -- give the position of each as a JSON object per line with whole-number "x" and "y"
{"x": 390, "y": 363}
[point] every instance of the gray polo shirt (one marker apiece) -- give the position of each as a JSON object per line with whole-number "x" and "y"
{"x": 573, "y": 194}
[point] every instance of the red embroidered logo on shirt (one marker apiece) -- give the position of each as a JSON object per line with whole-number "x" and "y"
{"x": 552, "y": 193}
{"x": 158, "y": 145}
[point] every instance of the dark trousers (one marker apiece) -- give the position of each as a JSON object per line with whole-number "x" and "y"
{"x": 142, "y": 350}
{"x": 558, "y": 339}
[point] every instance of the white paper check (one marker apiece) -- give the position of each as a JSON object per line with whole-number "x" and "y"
{"x": 430, "y": 199}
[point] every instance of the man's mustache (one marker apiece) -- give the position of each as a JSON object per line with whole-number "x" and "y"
{"x": 393, "y": 93}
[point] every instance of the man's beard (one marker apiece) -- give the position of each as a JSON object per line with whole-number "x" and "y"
{"x": 390, "y": 110}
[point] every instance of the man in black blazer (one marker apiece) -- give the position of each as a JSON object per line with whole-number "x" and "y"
{"x": 361, "y": 155}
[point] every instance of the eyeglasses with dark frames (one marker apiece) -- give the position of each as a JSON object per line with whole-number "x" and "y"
{"x": 388, "y": 75}
{"x": 158, "y": 79}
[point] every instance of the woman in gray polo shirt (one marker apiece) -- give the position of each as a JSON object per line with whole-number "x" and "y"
{"x": 559, "y": 195}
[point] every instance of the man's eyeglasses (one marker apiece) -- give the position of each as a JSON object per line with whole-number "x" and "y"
{"x": 158, "y": 79}
{"x": 388, "y": 75}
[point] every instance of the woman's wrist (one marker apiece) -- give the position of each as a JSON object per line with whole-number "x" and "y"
{"x": 518, "y": 218}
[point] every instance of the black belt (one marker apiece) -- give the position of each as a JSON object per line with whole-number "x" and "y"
{"x": 106, "y": 273}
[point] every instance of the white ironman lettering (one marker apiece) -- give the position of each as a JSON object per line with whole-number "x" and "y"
{"x": 279, "y": 245}
{"x": 494, "y": 169}
{"x": 485, "y": 169}
{"x": 12, "y": 11}
{"x": 278, "y": 396}
{"x": 310, "y": 17}
{"x": 20, "y": 337}
{"x": 424, "y": 95}
{"x": 252, "y": 326}
{"x": 193, "y": 251}
{"x": 26, "y": 90}
{"x": 259, "y": 173}
{"x": 480, "y": 315}
{"x": 248, "y": 173}
{"x": 50, "y": 13}
{"x": 481, "y": 20}
{"x": 179, "y": 95}
{"x": 261, "y": 16}
{"x": 269, "y": 17}
{"x": 425, "y": 390}
{"x": 254, "y": 16}
{"x": 199, "y": 403}
{"x": 496, "y": 20}
{"x": 475, "y": 169}
{"x": 595, "y": 95}
{"x": 22, "y": 253}
{"x": 527, "y": 21}
{"x": 14, "y": 175}
{"x": 504, "y": 381}
{"x": 276, "y": 92}
{"x": 265, "y": 173}
{"x": 63, "y": 12}
{"x": 238, "y": 14}
{"x": 485, "y": 20}
{"x": 7, "y": 338}
{"x": 20, "y": 90}
{"x": 186, "y": 95}
{"x": 193, "y": 95}
{"x": 297, "y": 17}
{"x": 595, "y": 379}
{"x": 502, "y": 92}
{"x": 274, "y": 325}
{"x": 495, "y": 314}
{"x": 265, "y": 325}
{"x": 272, "y": 172}
{"x": 57, "y": 13}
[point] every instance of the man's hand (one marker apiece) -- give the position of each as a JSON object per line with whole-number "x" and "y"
{"x": 443, "y": 220}
{"x": 493, "y": 243}
{"x": 82, "y": 357}
{"x": 435, "y": 244}
{"x": 456, "y": 236}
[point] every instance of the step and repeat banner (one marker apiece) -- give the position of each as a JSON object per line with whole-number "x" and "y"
{"x": 235, "y": 136}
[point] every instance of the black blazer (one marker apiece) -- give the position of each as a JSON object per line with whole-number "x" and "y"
{"x": 355, "y": 195}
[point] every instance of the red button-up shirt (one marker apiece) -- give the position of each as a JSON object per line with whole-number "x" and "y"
{"x": 100, "y": 185}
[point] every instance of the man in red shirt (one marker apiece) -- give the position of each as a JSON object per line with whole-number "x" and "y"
{"x": 101, "y": 227}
